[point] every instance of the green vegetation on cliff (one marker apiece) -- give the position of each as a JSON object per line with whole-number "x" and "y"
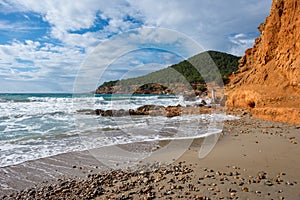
{"x": 212, "y": 66}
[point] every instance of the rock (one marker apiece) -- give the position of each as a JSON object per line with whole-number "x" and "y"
{"x": 114, "y": 113}
{"x": 87, "y": 111}
{"x": 231, "y": 190}
{"x": 289, "y": 183}
{"x": 147, "y": 108}
{"x": 258, "y": 86}
{"x": 99, "y": 111}
{"x": 261, "y": 175}
{"x": 142, "y": 172}
{"x": 232, "y": 194}
{"x": 268, "y": 183}
{"x": 245, "y": 189}
{"x": 173, "y": 111}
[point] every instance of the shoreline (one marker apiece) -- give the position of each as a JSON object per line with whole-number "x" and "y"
{"x": 246, "y": 147}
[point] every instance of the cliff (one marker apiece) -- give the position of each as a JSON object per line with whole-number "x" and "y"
{"x": 268, "y": 79}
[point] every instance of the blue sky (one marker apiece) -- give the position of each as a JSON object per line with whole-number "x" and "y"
{"x": 44, "y": 44}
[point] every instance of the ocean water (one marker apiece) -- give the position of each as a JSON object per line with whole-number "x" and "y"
{"x": 34, "y": 126}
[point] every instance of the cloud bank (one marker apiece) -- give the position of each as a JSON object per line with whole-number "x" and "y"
{"x": 43, "y": 43}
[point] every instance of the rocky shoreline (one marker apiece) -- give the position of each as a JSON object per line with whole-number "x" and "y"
{"x": 154, "y": 110}
{"x": 175, "y": 181}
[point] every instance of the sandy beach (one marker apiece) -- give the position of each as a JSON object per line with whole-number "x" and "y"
{"x": 126, "y": 100}
{"x": 253, "y": 159}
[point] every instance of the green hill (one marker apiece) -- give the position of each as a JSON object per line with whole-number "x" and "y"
{"x": 212, "y": 65}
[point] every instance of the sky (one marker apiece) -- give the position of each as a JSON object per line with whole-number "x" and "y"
{"x": 46, "y": 45}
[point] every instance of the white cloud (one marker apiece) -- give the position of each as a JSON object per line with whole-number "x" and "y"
{"x": 70, "y": 15}
{"x": 110, "y": 52}
{"x": 220, "y": 25}
{"x": 44, "y": 60}
{"x": 64, "y": 15}
{"x": 205, "y": 21}
{"x": 208, "y": 22}
{"x": 240, "y": 42}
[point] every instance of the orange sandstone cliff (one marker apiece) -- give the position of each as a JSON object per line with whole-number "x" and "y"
{"x": 268, "y": 79}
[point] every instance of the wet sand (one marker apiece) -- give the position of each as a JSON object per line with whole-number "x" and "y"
{"x": 253, "y": 159}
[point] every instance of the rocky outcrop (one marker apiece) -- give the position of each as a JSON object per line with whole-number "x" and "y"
{"x": 120, "y": 88}
{"x": 152, "y": 88}
{"x": 153, "y": 110}
{"x": 268, "y": 79}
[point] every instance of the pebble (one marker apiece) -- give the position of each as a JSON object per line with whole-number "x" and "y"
{"x": 289, "y": 183}
{"x": 231, "y": 190}
{"x": 232, "y": 194}
{"x": 145, "y": 184}
{"x": 268, "y": 183}
{"x": 261, "y": 175}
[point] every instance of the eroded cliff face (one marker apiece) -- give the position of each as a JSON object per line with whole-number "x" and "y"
{"x": 268, "y": 80}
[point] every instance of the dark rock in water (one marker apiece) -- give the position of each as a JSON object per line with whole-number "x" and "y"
{"x": 172, "y": 111}
{"x": 86, "y": 111}
{"x": 99, "y": 111}
{"x": 155, "y": 110}
{"x": 147, "y": 108}
{"x": 111, "y": 113}
{"x": 136, "y": 112}
{"x": 107, "y": 113}
{"x": 119, "y": 113}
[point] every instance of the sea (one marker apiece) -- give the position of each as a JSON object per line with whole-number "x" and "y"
{"x": 34, "y": 126}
